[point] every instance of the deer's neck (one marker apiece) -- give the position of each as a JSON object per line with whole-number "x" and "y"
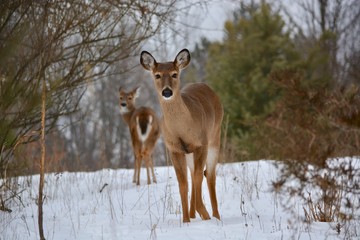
{"x": 127, "y": 116}
{"x": 175, "y": 111}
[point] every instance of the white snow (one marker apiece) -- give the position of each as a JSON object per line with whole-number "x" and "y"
{"x": 107, "y": 205}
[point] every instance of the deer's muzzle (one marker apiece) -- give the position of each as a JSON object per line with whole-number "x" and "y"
{"x": 167, "y": 93}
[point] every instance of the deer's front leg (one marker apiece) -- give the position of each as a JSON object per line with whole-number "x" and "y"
{"x": 200, "y": 155}
{"x": 192, "y": 199}
{"x": 180, "y": 166}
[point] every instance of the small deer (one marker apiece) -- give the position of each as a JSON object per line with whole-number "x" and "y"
{"x": 144, "y": 130}
{"x": 191, "y": 127}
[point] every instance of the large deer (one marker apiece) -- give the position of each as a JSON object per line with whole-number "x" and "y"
{"x": 144, "y": 130}
{"x": 191, "y": 127}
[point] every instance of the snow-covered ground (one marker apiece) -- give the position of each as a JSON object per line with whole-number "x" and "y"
{"x": 107, "y": 205}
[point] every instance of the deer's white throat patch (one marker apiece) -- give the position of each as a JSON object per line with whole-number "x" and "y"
{"x": 123, "y": 110}
{"x": 167, "y": 98}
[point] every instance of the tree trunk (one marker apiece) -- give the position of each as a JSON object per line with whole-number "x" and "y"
{"x": 42, "y": 161}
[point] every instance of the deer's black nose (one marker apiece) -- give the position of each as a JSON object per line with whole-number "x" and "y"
{"x": 167, "y": 93}
{"x": 123, "y": 104}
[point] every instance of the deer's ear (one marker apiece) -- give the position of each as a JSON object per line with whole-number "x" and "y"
{"x": 147, "y": 61}
{"x": 182, "y": 59}
{"x": 136, "y": 92}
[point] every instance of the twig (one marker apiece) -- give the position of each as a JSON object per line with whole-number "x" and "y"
{"x": 103, "y": 187}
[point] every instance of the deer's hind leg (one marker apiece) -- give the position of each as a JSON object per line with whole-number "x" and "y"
{"x": 138, "y": 167}
{"x": 136, "y": 171}
{"x": 212, "y": 158}
{"x": 152, "y": 169}
{"x": 147, "y": 160}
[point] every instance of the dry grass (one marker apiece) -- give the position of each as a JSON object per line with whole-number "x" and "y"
{"x": 322, "y": 211}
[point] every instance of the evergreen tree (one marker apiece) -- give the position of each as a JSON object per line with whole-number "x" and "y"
{"x": 255, "y": 45}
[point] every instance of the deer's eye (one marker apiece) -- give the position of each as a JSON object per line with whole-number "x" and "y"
{"x": 129, "y": 98}
{"x": 157, "y": 76}
{"x": 174, "y": 75}
{"x": 121, "y": 98}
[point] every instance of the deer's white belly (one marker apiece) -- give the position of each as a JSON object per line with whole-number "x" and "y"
{"x": 210, "y": 161}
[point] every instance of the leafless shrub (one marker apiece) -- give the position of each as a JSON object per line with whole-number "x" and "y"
{"x": 315, "y": 133}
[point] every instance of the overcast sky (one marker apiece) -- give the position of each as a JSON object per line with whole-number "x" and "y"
{"x": 212, "y": 19}
{"x": 202, "y": 20}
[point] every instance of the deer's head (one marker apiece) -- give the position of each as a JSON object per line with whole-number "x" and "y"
{"x": 166, "y": 75}
{"x": 127, "y": 99}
